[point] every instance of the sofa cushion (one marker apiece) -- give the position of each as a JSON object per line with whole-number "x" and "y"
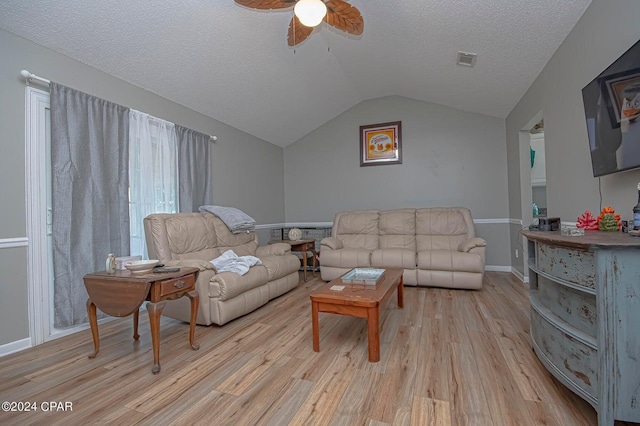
{"x": 442, "y": 228}
{"x": 227, "y": 285}
{"x": 394, "y": 258}
{"x": 280, "y": 266}
{"x": 190, "y": 233}
{"x": 448, "y": 260}
{"x": 346, "y": 258}
{"x": 357, "y": 229}
{"x": 228, "y": 240}
{"x": 397, "y": 229}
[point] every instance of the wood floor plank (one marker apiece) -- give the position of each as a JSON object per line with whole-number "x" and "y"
{"x": 450, "y": 357}
{"x": 466, "y": 394}
{"x": 430, "y": 412}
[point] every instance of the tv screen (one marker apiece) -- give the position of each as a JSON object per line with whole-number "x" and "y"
{"x": 612, "y": 109}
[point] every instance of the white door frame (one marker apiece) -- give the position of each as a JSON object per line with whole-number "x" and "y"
{"x": 38, "y": 216}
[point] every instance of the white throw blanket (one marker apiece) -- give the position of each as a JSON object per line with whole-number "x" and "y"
{"x": 229, "y": 261}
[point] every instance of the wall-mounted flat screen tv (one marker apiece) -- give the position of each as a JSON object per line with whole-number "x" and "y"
{"x": 612, "y": 109}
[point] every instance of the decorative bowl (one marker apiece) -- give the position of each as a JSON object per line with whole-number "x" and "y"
{"x": 294, "y": 234}
{"x": 141, "y": 266}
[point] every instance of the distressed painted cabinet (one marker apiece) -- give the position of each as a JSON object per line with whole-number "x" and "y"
{"x": 585, "y": 316}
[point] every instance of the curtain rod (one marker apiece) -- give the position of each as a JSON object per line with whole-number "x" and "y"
{"x": 32, "y": 77}
{"x": 28, "y": 76}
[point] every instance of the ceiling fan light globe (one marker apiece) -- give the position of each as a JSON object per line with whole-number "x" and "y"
{"x": 310, "y": 13}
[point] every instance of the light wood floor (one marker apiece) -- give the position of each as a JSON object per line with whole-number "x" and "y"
{"x": 448, "y": 358}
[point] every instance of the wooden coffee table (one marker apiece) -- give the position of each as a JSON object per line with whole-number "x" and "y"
{"x": 357, "y": 300}
{"x": 121, "y": 294}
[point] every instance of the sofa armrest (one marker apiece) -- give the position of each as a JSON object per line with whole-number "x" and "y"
{"x": 467, "y": 245}
{"x": 331, "y": 242}
{"x": 202, "y": 265}
{"x": 277, "y": 249}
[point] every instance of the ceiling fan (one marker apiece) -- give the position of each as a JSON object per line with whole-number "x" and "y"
{"x": 340, "y": 15}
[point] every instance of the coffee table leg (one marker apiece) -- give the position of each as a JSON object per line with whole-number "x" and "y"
{"x": 315, "y": 326}
{"x": 155, "y": 310}
{"x": 373, "y": 328}
{"x": 136, "y": 316}
{"x": 401, "y": 293}
{"x": 195, "y": 300}
{"x": 93, "y": 322}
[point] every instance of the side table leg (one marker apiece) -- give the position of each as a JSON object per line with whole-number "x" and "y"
{"x": 155, "y": 310}
{"x": 373, "y": 328}
{"x": 315, "y": 326}
{"x": 304, "y": 265}
{"x": 401, "y": 293}
{"x": 136, "y": 316}
{"x": 195, "y": 302}
{"x": 93, "y": 322}
{"x": 315, "y": 262}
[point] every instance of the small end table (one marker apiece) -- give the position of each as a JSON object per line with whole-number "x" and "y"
{"x": 121, "y": 294}
{"x": 303, "y": 246}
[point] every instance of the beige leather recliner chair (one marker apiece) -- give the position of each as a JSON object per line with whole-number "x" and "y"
{"x": 436, "y": 247}
{"x": 193, "y": 239}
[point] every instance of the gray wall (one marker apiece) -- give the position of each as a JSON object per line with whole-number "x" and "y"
{"x": 450, "y": 158}
{"x": 605, "y": 31}
{"x": 247, "y": 171}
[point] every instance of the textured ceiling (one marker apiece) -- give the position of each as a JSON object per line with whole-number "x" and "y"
{"x": 233, "y": 63}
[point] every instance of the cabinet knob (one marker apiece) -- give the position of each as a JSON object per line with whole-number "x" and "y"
{"x": 178, "y": 284}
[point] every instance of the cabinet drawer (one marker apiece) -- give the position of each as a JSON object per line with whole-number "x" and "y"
{"x": 576, "y": 361}
{"x": 573, "y": 265}
{"x": 176, "y": 285}
{"x": 575, "y": 307}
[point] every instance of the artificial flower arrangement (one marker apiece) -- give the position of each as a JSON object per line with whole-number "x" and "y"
{"x": 608, "y": 220}
{"x": 587, "y": 221}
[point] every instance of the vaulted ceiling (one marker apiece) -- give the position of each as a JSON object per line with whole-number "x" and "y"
{"x": 233, "y": 63}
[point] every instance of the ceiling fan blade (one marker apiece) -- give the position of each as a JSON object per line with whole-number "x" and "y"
{"x": 267, "y": 4}
{"x": 343, "y": 16}
{"x": 301, "y": 32}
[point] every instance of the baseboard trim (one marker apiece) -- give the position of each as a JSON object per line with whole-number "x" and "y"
{"x": 497, "y": 268}
{"x": 17, "y": 346}
{"x": 520, "y": 276}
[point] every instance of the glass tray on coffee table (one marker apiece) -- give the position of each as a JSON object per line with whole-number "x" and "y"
{"x": 369, "y": 276}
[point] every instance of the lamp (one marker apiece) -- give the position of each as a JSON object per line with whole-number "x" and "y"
{"x": 310, "y": 12}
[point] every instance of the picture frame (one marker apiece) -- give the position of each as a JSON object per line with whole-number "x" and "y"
{"x": 613, "y": 88}
{"x": 381, "y": 144}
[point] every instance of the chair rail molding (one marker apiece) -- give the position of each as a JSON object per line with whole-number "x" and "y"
{"x": 14, "y": 242}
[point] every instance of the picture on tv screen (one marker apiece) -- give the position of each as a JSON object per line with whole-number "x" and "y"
{"x": 612, "y": 110}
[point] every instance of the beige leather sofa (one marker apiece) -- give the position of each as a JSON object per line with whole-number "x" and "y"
{"x": 193, "y": 239}
{"x": 436, "y": 247}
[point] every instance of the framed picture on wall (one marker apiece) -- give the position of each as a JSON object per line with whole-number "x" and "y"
{"x": 381, "y": 144}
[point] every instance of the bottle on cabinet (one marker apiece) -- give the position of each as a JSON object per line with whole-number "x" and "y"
{"x": 111, "y": 263}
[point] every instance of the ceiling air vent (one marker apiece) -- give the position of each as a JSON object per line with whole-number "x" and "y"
{"x": 466, "y": 59}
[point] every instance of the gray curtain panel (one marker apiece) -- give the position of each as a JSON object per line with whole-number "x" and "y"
{"x": 194, "y": 169}
{"x": 90, "y": 183}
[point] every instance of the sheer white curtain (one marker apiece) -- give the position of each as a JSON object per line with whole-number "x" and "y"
{"x": 153, "y": 173}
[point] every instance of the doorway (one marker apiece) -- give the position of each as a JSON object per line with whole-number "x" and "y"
{"x": 538, "y": 171}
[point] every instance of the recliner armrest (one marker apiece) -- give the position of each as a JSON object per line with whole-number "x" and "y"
{"x": 193, "y": 263}
{"x": 277, "y": 249}
{"x": 467, "y": 245}
{"x": 331, "y": 242}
